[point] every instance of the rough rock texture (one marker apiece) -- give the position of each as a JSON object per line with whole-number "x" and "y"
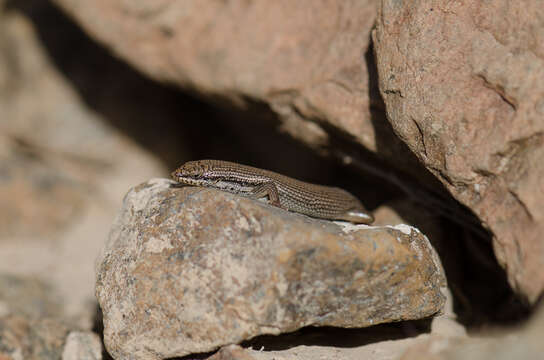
{"x": 82, "y": 346}
{"x": 303, "y": 59}
{"x": 462, "y": 84}
{"x": 64, "y": 167}
{"x": 186, "y": 270}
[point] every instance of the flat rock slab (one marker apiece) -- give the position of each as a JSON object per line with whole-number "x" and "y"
{"x": 187, "y": 270}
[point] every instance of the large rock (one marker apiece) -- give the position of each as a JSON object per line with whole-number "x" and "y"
{"x": 305, "y": 60}
{"x": 186, "y": 270}
{"x": 462, "y": 84}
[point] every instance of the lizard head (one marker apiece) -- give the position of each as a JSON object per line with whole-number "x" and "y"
{"x": 191, "y": 173}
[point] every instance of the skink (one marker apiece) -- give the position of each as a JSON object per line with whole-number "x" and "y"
{"x": 317, "y": 201}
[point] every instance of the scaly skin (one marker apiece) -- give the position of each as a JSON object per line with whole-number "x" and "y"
{"x": 317, "y": 201}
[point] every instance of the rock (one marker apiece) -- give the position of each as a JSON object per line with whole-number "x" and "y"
{"x": 445, "y": 325}
{"x": 187, "y": 270}
{"x": 308, "y": 62}
{"x": 462, "y": 84}
{"x": 31, "y": 339}
{"x": 82, "y": 346}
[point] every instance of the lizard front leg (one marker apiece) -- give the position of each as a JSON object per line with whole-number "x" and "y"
{"x": 268, "y": 190}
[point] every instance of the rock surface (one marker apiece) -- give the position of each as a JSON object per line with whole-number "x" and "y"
{"x": 462, "y": 84}
{"x": 186, "y": 270}
{"x": 305, "y": 60}
{"x": 82, "y": 346}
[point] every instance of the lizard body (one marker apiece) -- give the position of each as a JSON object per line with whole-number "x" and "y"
{"x": 282, "y": 191}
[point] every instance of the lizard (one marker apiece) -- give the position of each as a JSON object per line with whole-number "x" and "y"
{"x": 316, "y": 201}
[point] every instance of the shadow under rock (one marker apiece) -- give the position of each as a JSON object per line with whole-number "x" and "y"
{"x": 339, "y": 337}
{"x": 98, "y": 328}
{"x": 330, "y": 337}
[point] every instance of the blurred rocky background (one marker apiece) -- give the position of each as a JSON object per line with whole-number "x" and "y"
{"x": 431, "y": 112}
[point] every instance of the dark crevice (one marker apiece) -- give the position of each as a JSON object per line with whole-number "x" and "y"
{"x": 98, "y": 328}
{"x": 421, "y": 136}
{"x": 522, "y": 204}
{"x": 196, "y": 356}
{"x": 499, "y": 91}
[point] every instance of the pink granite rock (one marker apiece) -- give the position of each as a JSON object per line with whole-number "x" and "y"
{"x": 303, "y": 59}
{"x": 462, "y": 84}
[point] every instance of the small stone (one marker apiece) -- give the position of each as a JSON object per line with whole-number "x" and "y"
{"x": 82, "y": 346}
{"x": 188, "y": 270}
